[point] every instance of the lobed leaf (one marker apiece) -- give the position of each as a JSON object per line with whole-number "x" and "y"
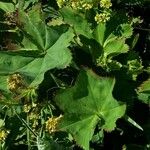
{"x": 88, "y": 102}
{"x": 111, "y": 43}
{"x": 77, "y": 21}
{"x": 7, "y": 7}
{"x": 57, "y": 56}
{"x": 36, "y": 31}
{"x": 144, "y": 92}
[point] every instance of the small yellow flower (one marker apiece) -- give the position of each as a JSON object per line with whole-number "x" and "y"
{"x": 105, "y": 3}
{"x": 87, "y": 6}
{"x": 27, "y": 108}
{"x": 76, "y": 5}
{"x": 33, "y": 116}
{"x": 35, "y": 124}
{"x": 51, "y": 124}
{"x": 3, "y": 134}
{"x": 14, "y": 82}
{"x": 102, "y": 17}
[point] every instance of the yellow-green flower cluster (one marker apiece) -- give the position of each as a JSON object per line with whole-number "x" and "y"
{"x": 105, "y": 4}
{"x": 87, "y": 6}
{"x": 51, "y": 124}
{"x": 75, "y": 4}
{"x": 102, "y": 17}
{"x": 135, "y": 67}
{"x": 15, "y": 81}
{"x": 3, "y": 134}
{"x": 27, "y": 108}
{"x": 34, "y": 116}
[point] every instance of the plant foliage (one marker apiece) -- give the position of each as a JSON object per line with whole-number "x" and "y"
{"x": 74, "y": 74}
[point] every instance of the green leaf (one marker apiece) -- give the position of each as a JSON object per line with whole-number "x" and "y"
{"x": 88, "y": 102}
{"x": 35, "y": 29}
{"x": 134, "y": 41}
{"x": 27, "y": 45}
{"x": 38, "y": 37}
{"x": 9, "y": 63}
{"x": 114, "y": 47}
{"x": 99, "y": 33}
{"x": 3, "y": 85}
{"x": 112, "y": 44}
{"x": 77, "y": 21}
{"x": 144, "y": 92}
{"x": 126, "y": 30}
{"x": 7, "y": 7}
{"x": 29, "y": 2}
{"x": 2, "y": 123}
{"x": 57, "y": 56}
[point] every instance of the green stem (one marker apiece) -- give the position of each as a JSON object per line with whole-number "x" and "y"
{"x": 26, "y": 124}
{"x": 50, "y": 109}
{"x": 28, "y": 133}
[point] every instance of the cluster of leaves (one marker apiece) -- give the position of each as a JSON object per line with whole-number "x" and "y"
{"x": 66, "y": 78}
